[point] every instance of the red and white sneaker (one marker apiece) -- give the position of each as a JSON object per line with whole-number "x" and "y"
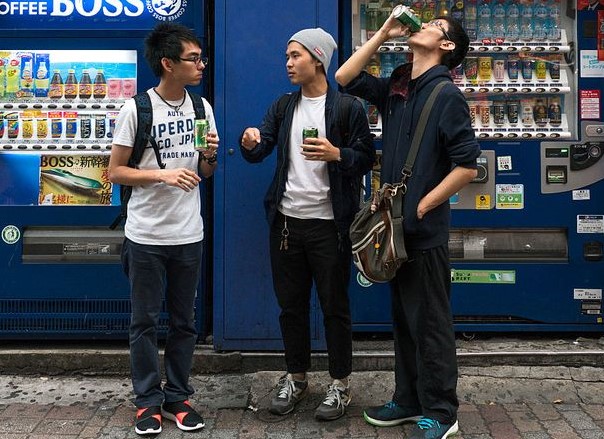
{"x": 181, "y": 412}
{"x": 148, "y": 420}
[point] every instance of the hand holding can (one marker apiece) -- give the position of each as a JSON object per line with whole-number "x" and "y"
{"x": 309, "y": 132}
{"x": 201, "y": 129}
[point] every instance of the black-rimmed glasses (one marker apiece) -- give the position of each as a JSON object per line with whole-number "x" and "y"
{"x": 439, "y": 25}
{"x": 197, "y": 59}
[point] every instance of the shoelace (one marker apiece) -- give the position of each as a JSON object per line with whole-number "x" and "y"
{"x": 334, "y": 394}
{"x": 427, "y": 423}
{"x": 391, "y": 405}
{"x": 287, "y": 389}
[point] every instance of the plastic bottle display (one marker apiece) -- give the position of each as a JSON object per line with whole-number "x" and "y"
{"x": 485, "y": 29}
{"x": 85, "y": 86}
{"x": 499, "y": 20}
{"x": 554, "y": 33}
{"x": 457, "y": 11}
{"x": 100, "y": 85}
{"x": 512, "y": 22}
{"x": 540, "y": 21}
{"x": 526, "y": 22}
{"x": 71, "y": 85}
{"x": 56, "y": 89}
{"x": 470, "y": 19}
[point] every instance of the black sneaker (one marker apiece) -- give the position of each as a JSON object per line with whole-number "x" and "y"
{"x": 428, "y": 428}
{"x": 335, "y": 402}
{"x": 148, "y": 420}
{"x": 289, "y": 393}
{"x": 181, "y": 412}
{"x": 390, "y": 414}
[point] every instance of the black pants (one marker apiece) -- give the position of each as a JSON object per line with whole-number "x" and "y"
{"x": 313, "y": 253}
{"x": 424, "y": 339}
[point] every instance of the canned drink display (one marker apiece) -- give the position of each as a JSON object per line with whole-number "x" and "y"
{"x": 99, "y": 127}
{"x": 540, "y": 113}
{"x": 485, "y": 113}
{"x": 28, "y": 128}
{"x": 473, "y": 111}
{"x": 513, "y": 107}
{"x": 499, "y": 113}
{"x": 540, "y": 69}
{"x": 499, "y": 69}
{"x": 527, "y": 69}
{"x": 201, "y": 134}
{"x": 554, "y": 69}
{"x": 554, "y": 112}
{"x": 56, "y": 128}
{"x": 513, "y": 68}
{"x": 407, "y": 18}
{"x": 527, "y": 113}
{"x": 471, "y": 69}
{"x": 71, "y": 128}
{"x": 42, "y": 128}
{"x": 85, "y": 126}
{"x": 485, "y": 68}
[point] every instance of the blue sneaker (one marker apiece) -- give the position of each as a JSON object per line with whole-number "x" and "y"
{"x": 390, "y": 414}
{"x": 428, "y": 428}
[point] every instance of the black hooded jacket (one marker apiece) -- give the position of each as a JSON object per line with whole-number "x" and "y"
{"x": 357, "y": 157}
{"x": 448, "y": 140}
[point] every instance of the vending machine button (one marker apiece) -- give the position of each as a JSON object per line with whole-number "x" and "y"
{"x": 66, "y": 106}
{"x": 23, "y": 106}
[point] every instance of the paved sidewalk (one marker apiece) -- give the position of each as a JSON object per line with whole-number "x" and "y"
{"x": 503, "y": 402}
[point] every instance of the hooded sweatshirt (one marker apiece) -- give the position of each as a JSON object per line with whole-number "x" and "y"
{"x": 448, "y": 140}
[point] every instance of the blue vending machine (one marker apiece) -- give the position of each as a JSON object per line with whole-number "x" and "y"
{"x": 527, "y": 235}
{"x": 66, "y": 68}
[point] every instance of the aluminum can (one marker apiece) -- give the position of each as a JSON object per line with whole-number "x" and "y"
{"x": 111, "y": 127}
{"x": 1, "y": 124}
{"x": 56, "y": 128}
{"x": 499, "y": 69}
{"x": 407, "y": 18}
{"x": 527, "y": 113}
{"x": 100, "y": 127}
{"x": 485, "y": 68}
{"x": 527, "y": 69}
{"x": 554, "y": 69}
{"x": 540, "y": 113}
{"x": 309, "y": 132}
{"x": 540, "y": 69}
{"x": 27, "y": 126}
{"x": 485, "y": 113}
{"x": 85, "y": 126}
{"x": 499, "y": 113}
{"x": 201, "y": 129}
{"x": 513, "y": 68}
{"x": 513, "y": 108}
{"x": 457, "y": 74}
{"x": 471, "y": 69}
{"x": 41, "y": 128}
{"x": 473, "y": 106}
{"x": 554, "y": 112}
{"x": 71, "y": 128}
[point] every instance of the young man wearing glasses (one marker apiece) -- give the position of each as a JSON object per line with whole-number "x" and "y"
{"x": 162, "y": 249}
{"x": 425, "y": 356}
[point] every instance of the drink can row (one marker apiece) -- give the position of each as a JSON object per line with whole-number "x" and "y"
{"x": 487, "y": 68}
{"x": 527, "y": 112}
{"x": 52, "y": 126}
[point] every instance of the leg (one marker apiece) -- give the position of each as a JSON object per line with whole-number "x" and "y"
{"x": 145, "y": 267}
{"x": 183, "y": 275}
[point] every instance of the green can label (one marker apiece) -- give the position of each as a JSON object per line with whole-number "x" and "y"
{"x": 309, "y": 132}
{"x": 201, "y": 131}
{"x": 407, "y": 18}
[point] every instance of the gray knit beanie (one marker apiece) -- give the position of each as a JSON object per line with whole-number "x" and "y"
{"x": 318, "y": 42}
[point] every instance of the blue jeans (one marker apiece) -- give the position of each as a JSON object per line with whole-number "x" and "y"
{"x": 155, "y": 270}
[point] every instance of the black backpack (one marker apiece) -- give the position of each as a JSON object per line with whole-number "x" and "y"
{"x": 144, "y": 123}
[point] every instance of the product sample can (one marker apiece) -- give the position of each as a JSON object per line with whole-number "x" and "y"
{"x": 100, "y": 127}
{"x": 499, "y": 70}
{"x": 513, "y": 68}
{"x": 499, "y": 113}
{"x": 42, "y": 128}
{"x": 71, "y": 127}
{"x": 1, "y": 124}
{"x": 554, "y": 69}
{"x": 473, "y": 106}
{"x": 540, "y": 69}
{"x": 485, "y": 113}
{"x": 527, "y": 113}
{"x": 471, "y": 69}
{"x": 201, "y": 132}
{"x": 85, "y": 126}
{"x": 485, "y": 68}
{"x": 56, "y": 128}
{"x": 527, "y": 69}
{"x": 407, "y": 18}
{"x": 28, "y": 128}
{"x": 513, "y": 108}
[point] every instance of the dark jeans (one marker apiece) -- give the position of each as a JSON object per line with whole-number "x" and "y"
{"x": 424, "y": 339}
{"x": 314, "y": 253}
{"x": 154, "y": 270}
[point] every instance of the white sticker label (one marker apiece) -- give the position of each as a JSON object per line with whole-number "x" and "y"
{"x": 504, "y": 163}
{"x": 588, "y": 294}
{"x": 11, "y": 234}
{"x": 590, "y": 223}
{"x": 581, "y": 194}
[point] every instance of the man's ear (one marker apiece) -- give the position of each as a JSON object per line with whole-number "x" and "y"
{"x": 447, "y": 45}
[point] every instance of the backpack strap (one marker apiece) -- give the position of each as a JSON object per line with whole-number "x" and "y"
{"x": 200, "y": 109}
{"x": 344, "y": 108}
{"x": 282, "y": 106}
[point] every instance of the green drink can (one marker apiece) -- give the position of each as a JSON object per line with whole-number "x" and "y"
{"x": 405, "y": 15}
{"x": 202, "y": 127}
{"x": 309, "y": 132}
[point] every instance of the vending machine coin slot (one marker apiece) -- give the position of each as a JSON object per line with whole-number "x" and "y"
{"x": 557, "y": 153}
{"x": 592, "y": 251}
{"x": 582, "y": 156}
{"x": 482, "y": 166}
{"x": 556, "y": 174}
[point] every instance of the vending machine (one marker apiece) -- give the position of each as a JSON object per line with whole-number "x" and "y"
{"x": 527, "y": 235}
{"x": 66, "y": 68}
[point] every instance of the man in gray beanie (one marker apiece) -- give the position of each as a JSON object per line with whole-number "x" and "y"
{"x": 310, "y": 205}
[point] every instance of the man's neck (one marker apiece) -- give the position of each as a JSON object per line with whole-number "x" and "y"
{"x": 170, "y": 91}
{"x": 315, "y": 89}
{"x": 421, "y": 66}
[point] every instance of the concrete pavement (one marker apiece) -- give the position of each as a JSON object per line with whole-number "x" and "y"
{"x": 499, "y": 402}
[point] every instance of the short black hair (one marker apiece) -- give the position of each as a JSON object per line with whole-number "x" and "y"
{"x": 165, "y": 41}
{"x": 458, "y": 35}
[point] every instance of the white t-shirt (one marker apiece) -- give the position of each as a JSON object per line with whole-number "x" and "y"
{"x": 307, "y": 192}
{"x": 159, "y": 214}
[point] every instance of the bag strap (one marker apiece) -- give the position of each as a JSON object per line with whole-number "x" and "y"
{"x": 419, "y": 132}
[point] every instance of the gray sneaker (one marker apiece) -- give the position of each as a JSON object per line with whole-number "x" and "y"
{"x": 288, "y": 394}
{"x": 335, "y": 402}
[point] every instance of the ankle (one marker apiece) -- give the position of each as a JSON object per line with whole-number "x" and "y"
{"x": 298, "y": 376}
{"x": 343, "y": 381}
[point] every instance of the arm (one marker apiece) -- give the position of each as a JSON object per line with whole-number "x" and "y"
{"x": 121, "y": 173}
{"x": 207, "y": 159}
{"x": 258, "y": 143}
{"x": 451, "y": 184}
{"x": 392, "y": 28}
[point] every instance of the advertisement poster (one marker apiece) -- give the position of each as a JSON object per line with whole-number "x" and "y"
{"x": 19, "y": 179}
{"x": 74, "y": 179}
